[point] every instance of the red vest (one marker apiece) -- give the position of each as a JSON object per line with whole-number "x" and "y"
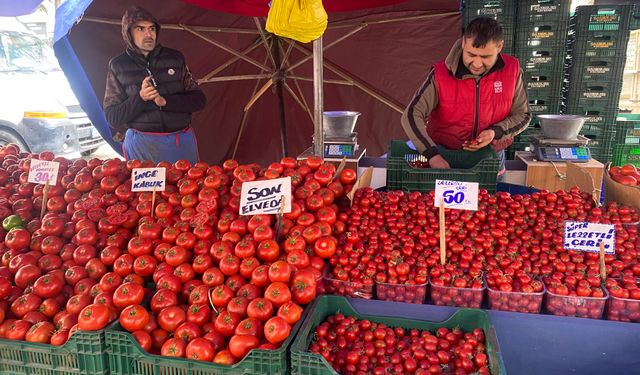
{"x": 464, "y": 105}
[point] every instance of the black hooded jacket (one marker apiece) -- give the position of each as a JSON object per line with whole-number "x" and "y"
{"x": 123, "y": 106}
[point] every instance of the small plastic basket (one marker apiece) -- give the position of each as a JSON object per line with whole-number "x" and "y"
{"x": 459, "y": 297}
{"x": 581, "y": 307}
{"x": 410, "y": 293}
{"x": 515, "y": 301}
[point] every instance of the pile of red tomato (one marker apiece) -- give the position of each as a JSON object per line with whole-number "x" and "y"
{"x": 188, "y": 277}
{"x": 354, "y": 346}
{"x": 393, "y": 237}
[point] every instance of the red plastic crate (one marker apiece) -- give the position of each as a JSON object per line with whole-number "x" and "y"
{"x": 516, "y": 301}
{"x": 346, "y": 288}
{"x": 623, "y": 309}
{"x": 410, "y": 293}
{"x": 582, "y": 307}
{"x": 459, "y": 297}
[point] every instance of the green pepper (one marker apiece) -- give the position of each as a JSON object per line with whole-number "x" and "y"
{"x": 11, "y": 222}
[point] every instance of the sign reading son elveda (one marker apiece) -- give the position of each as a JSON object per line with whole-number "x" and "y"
{"x": 148, "y": 179}
{"x": 265, "y": 197}
{"x": 588, "y": 236}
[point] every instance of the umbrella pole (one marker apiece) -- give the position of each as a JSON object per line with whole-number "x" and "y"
{"x": 318, "y": 98}
{"x": 279, "y": 77}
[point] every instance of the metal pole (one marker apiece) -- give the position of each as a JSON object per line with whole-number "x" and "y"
{"x": 318, "y": 98}
{"x": 279, "y": 91}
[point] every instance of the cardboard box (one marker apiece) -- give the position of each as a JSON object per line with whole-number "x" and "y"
{"x": 623, "y": 194}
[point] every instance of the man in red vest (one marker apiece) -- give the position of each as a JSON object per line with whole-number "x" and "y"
{"x": 473, "y": 98}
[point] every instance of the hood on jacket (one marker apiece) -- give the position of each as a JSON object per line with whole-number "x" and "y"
{"x": 131, "y": 16}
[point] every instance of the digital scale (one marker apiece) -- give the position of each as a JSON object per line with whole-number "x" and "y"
{"x": 561, "y": 150}
{"x": 341, "y": 146}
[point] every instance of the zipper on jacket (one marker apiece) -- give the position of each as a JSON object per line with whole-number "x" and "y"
{"x": 475, "y": 122}
{"x": 164, "y": 127}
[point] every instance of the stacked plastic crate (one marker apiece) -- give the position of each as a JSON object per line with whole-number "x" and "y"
{"x": 626, "y": 149}
{"x": 599, "y": 36}
{"x": 540, "y": 45}
{"x": 504, "y": 11}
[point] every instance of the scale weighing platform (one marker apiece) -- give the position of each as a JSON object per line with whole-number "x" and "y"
{"x": 338, "y": 147}
{"x": 561, "y": 150}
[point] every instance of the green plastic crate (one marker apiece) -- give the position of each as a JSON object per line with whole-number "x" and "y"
{"x": 305, "y": 363}
{"x": 628, "y": 129}
{"x": 626, "y": 154}
{"x": 480, "y": 166}
{"x": 126, "y": 357}
{"x": 84, "y": 354}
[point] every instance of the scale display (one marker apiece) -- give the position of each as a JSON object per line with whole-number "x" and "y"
{"x": 562, "y": 154}
{"x": 338, "y": 149}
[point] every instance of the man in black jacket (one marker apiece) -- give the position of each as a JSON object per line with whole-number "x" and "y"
{"x": 151, "y": 94}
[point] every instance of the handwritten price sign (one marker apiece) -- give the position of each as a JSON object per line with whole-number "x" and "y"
{"x": 457, "y": 194}
{"x": 588, "y": 236}
{"x": 43, "y": 172}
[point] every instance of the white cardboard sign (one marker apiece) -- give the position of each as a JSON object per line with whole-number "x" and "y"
{"x": 457, "y": 194}
{"x": 264, "y": 197}
{"x": 148, "y": 179}
{"x": 587, "y": 237}
{"x": 43, "y": 171}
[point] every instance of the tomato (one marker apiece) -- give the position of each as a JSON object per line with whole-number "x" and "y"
{"x": 200, "y": 349}
{"x": 128, "y": 294}
{"x": 278, "y": 294}
{"x": 134, "y": 318}
{"x": 143, "y": 339}
{"x": 162, "y": 299}
{"x": 171, "y": 317}
{"x": 48, "y": 286}
{"x": 276, "y": 330}
{"x": 304, "y": 286}
{"x": 280, "y": 271}
{"x": 240, "y": 345}
{"x": 221, "y": 295}
{"x": 199, "y": 314}
{"x": 348, "y": 176}
{"x": 290, "y": 312}
{"x": 40, "y": 332}
{"x": 93, "y": 317}
{"x": 226, "y": 323}
{"x": 250, "y": 327}
{"x": 325, "y": 247}
{"x": 225, "y": 358}
{"x": 268, "y": 251}
{"x": 174, "y": 347}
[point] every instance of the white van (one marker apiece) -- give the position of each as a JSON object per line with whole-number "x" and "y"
{"x": 38, "y": 110}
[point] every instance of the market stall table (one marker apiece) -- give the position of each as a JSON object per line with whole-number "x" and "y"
{"x": 542, "y": 344}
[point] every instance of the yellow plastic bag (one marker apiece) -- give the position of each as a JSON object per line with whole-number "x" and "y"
{"x": 302, "y": 20}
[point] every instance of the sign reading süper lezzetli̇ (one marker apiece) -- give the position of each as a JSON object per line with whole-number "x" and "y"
{"x": 588, "y": 236}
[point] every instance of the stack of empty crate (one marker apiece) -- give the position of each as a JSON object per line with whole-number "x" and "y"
{"x": 597, "y": 50}
{"x": 541, "y": 34}
{"x": 503, "y": 11}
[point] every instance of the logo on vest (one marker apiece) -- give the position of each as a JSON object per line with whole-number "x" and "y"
{"x": 171, "y": 72}
{"x": 497, "y": 87}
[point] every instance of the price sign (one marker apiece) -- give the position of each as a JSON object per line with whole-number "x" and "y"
{"x": 264, "y": 197}
{"x": 43, "y": 172}
{"x": 148, "y": 179}
{"x": 588, "y": 236}
{"x": 457, "y": 194}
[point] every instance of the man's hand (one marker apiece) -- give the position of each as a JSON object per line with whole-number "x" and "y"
{"x": 484, "y": 138}
{"x": 147, "y": 91}
{"x": 160, "y": 101}
{"x": 438, "y": 162}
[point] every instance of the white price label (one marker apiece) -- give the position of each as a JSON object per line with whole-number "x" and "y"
{"x": 457, "y": 194}
{"x": 265, "y": 197}
{"x": 43, "y": 172}
{"x": 148, "y": 179}
{"x": 588, "y": 236}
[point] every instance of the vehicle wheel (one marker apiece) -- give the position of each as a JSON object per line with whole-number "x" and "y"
{"x": 7, "y": 137}
{"x": 88, "y": 152}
